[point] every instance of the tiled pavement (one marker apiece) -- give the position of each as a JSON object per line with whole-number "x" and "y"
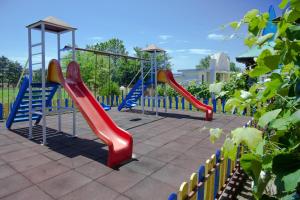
{"x": 167, "y": 150}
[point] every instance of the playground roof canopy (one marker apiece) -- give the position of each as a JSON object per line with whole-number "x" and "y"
{"x": 153, "y": 48}
{"x": 52, "y": 24}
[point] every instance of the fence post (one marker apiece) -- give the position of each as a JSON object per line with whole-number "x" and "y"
{"x": 205, "y": 101}
{"x": 193, "y": 185}
{"x": 1, "y": 111}
{"x": 217, "y": 173}
{"x": 173, "y": 196}
{"x": 214, "y": 102}
{"x": 223, "y": 101}
{"x": 183, "y": 191}
{"x": 66, "y": 103}
{"x": 201, "y": 178}
{"x": 182, "y": 103}
{"x": 112, "y": 100}
{"x": 176, "y": 102}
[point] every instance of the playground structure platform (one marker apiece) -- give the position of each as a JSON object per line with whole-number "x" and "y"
{"x": 167, "y": 150}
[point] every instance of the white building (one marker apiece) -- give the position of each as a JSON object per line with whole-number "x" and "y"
{"x": 219, "y": 70}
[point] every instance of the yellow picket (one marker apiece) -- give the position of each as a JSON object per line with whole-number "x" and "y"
{"x": 222, "y": 171}
{"x": 183, "y": 191}
{"x": 206, "y": 183}
{"x": 212, "y": 177}
{"x": 193, "y": 185}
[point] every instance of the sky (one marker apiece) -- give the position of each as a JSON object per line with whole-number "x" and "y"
{"x": 188, "y": 29}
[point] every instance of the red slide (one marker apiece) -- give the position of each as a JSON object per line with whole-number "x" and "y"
{"x": 119, "y": 141}
{"x": 166, "y": 76}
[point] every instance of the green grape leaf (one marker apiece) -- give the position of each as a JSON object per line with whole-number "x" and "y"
{"x": 283, "y": 4}
{"x": 250, "y": 15}
{"x": 268, "y": 117}
{"x": 262, "y": 39}
{"x": 235, "y": 25}
{"x": 252, "y": 165}
{"x": 215, "y": 134}
{"x": 295, "y": 117}
{"x": 280, "y": 124}
{"x": 230, "y": 149}
{"x": 249, "y": 136}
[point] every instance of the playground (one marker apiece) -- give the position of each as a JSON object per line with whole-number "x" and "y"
{"x": 166, "y": 150}
{"x": 100, "y": 123}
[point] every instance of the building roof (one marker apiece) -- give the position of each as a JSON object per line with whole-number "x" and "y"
{"x": 254, "y": 52}
{"x": 52, "y": 24}
{"x": 153, "y": 48}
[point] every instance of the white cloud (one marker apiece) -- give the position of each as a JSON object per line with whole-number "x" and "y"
{"x": 214, "y": 36}
{"x": 200, "y": 51}
{"x": 165, "y": 37}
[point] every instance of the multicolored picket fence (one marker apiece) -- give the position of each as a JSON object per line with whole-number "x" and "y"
{"x": 178, "y": 103}
{"x": 211, "y": 179}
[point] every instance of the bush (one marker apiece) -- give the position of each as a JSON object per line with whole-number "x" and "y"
{"x": 112, "y": 89}
{"x": 198, "y": 90}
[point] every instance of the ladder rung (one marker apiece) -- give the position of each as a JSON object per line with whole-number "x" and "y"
{"x": 35, "y": 54}
{"x": 37, "y": 44}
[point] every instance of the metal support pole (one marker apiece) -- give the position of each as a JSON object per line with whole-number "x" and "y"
{"x": 142, "y": 76}
{"x": 59, "y": 87}
{"x": 43, "y": 86}
{"x": 152, "y": 87}
{"x": 30, "y": 82}
{"x": 74, "y": 109}
{"x": 156, "y": 95}
{"x": 165, "y": 85}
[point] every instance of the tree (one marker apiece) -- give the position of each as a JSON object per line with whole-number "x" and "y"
{"x": 204, "y": 63}
{"x": 234, "y": 68}
{"x": 10, "y": 70}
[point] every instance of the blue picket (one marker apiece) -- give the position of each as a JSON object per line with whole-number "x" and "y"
{"x": 117, "y": 100}
{"x": 107, "y": 100}
{"x": 223, "y": 102}
{"x": 158, "y": 102}
{"x": 164, "y": 103}
{"x": 217, "y": 173}
{"x": 214, "y": 102}
{"x": 148, "y": 102}
{"x": 228, "y": 168}
{"x": 173, "y": 196}
{"x": 66, "y": 103}
{"x": 1, "y": 111}
{"x": 176, "y": 103}
{"x": 182, "y": 103}
{"x": 103, "y": 99}
{"x": 98, "y": 99}
{"x": 201, "y": 178}
{"x": 112, "y": 97}
{"x": 170, "y": 102}
{"x": 190, "y": 106}
{"x": 205, "y": 101}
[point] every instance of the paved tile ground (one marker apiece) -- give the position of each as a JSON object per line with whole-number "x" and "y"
{"x": 167, "y": 150}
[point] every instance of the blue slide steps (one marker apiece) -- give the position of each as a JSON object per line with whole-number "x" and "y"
{"x": 20, "y": 109}
{"x": 134, "y": 94}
